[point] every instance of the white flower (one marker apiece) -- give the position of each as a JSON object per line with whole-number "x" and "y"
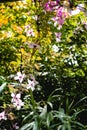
{"x": 15, "y": 97}
{"x": 75, "y": 12}
{"x": 9, "y": 34}
{"x": 81, "y": 7}
{"x": 27, "y": 27}
{"x": 58, "y": 37}
{"x": 30, "y": 32}
{"x": 2, "y": 116}
{"x": 35, "y": 17}
{"x": 55, "y": 23}
{"x": 17, "y": 102}
{"x": 59, "y": 27}
{"x": 19, "y": 77}
{"x": 55, "y": 48}
{"x": 31, "y": 85}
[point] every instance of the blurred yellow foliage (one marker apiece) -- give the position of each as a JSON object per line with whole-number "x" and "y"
{"x": 18, "y": 29}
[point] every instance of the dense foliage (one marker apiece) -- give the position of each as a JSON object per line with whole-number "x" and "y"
{"x": 43, "y": 65}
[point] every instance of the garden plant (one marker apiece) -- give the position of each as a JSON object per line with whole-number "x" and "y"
{"x": 43, "y": 65}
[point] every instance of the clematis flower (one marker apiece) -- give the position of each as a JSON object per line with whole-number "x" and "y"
{"x": 19, "y": 77}
{"x": 2, "y": 115}
{"x": 31, "y": 85}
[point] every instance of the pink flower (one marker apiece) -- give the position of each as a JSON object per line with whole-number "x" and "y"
{"x": 33, "y": 45}
{"x": 15, "y": 97}
{"x": 2, "y": 115}
{"x": 61, "y": 15}
{"x": 19, "y": 77}
{"x": 57, "y": 1}
{"x": 53, "y": 3}
{"x": 30, "y": 32}
{"x": 31, "y": 85}
{"x": 47, "y": 6}
{"x": 61, "y": 12}
{"x": 27, "y": 27}
{"x": 15, "y": 126}
{"x": 61, "y": 21}
{"x": 17, "y": 102}
{"x": 58, "y": 37}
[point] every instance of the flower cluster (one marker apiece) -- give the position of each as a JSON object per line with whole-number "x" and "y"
{"x": 29, "y": 31}
{"x": 16, "y": 96}
{"x": 31, "y": 85}
{"x": 17, "y": 102}
{"x": 49, "y": 6}
{"x": 61, "y": 15}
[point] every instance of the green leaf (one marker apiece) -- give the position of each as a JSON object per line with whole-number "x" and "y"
{"x": 78, "y": 123}
{"x": 3, "y": 86}
{"x": 43, "y": 113}
{"x": 27, "y": 126}
{"x": 59, "y": 127}
{"x": 81, "y": 100}
{"x": 49, "y": 119}
{"x": 2, "y": 79}
{"x": 28, "y": 116}
{"x": 35, "y": 126}
{"x": 52, "y": 96}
